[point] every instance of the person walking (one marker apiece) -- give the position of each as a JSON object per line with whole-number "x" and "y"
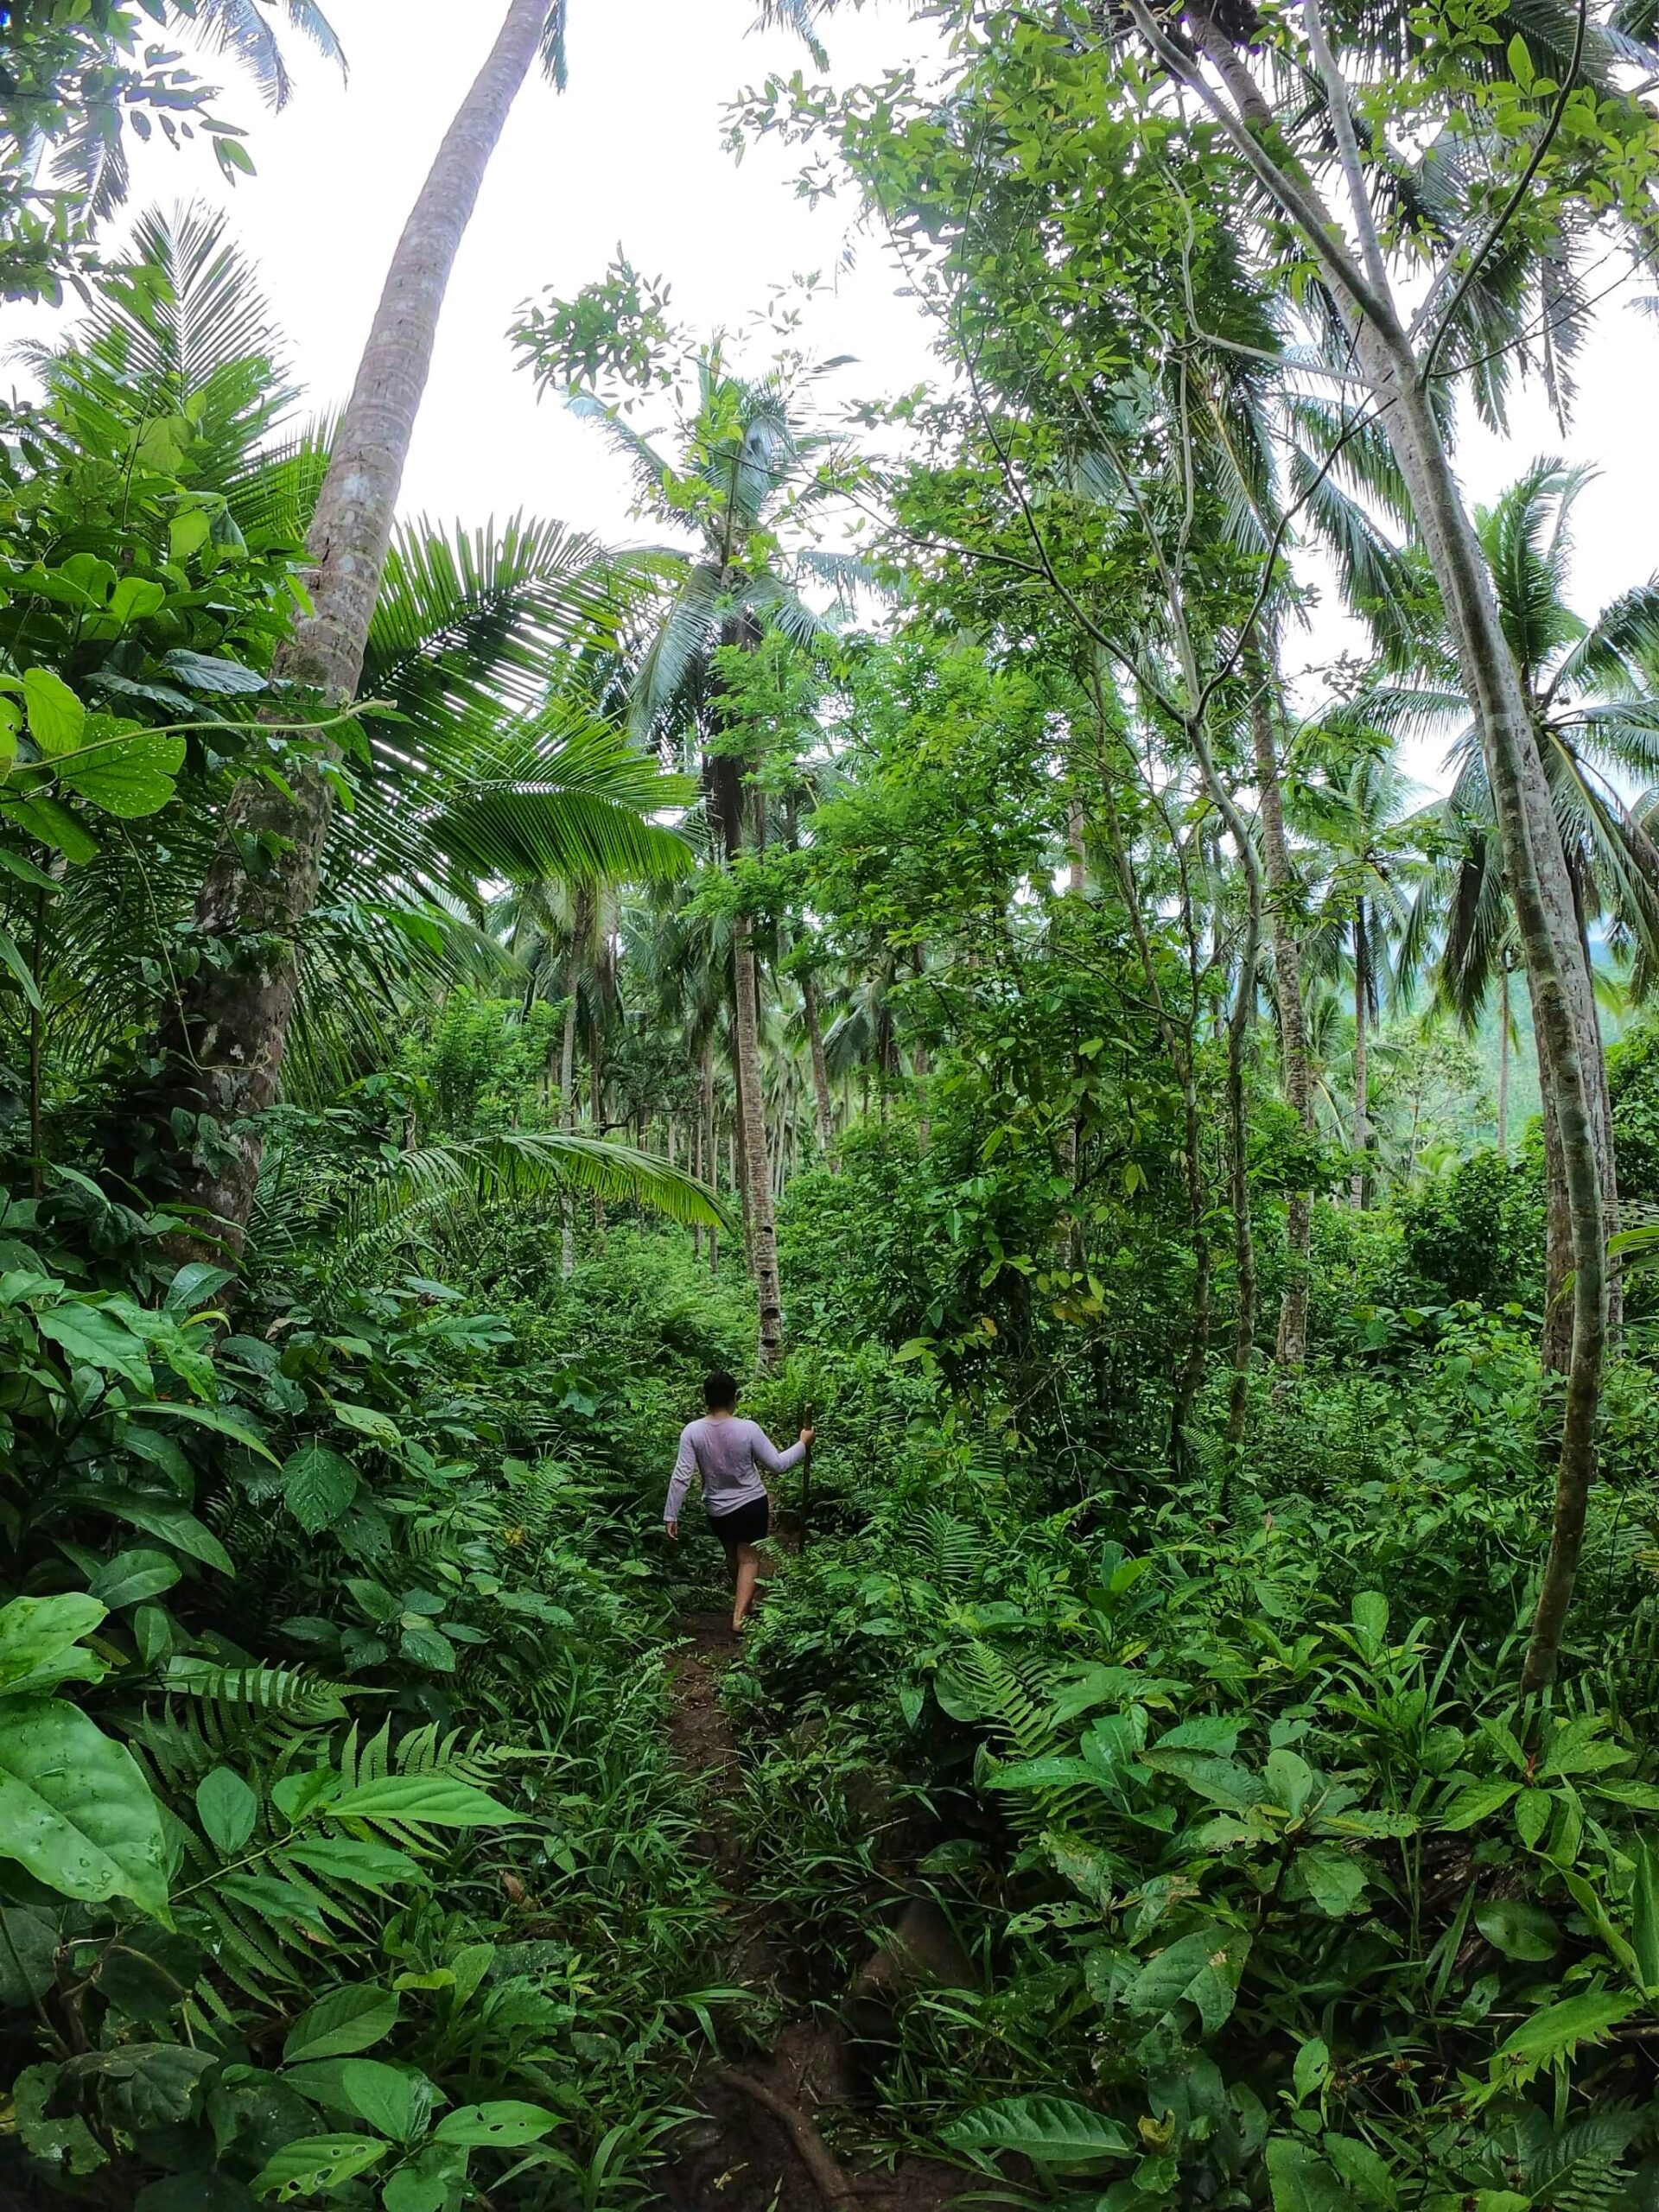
{"x": 727, "y": 1454}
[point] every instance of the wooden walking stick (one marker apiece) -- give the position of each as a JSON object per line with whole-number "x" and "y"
{"x": 806, "y": 1484}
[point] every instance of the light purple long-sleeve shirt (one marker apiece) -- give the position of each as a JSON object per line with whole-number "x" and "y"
{"x": 724, "y": 1453}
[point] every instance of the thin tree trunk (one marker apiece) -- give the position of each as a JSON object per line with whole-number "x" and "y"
{"x": 1362, "y": 1073}
{"x": 693, "y": 1153}
{"x": 1238, "y": 1032}
{"x": 1558, "y": 982}
{"x": 709, "y": 1137}
{"x": 226, "y": 1043}
{"x": 919, "y": 1065}
{"x": 823, "y": 1106}
{"x": 1503, "y": 1062}
{"x": 596, "y": 1089}
{"x": 763, "y": 1229}
{"x": 580, "y": 922}
{"x": 1291, "y": 1349}
{"x": 1179, "y": 1047}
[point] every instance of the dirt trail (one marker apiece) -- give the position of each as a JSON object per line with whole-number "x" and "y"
{"x": 760, "y": 2148}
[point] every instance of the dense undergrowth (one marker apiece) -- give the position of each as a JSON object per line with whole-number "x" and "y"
{"x": 453, "y": 997}
{"x": 1270, "y": 1886}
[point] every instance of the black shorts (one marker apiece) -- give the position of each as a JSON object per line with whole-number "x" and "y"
{"x": 746, "y": 1524}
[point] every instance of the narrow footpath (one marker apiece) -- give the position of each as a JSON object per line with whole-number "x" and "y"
{"x": 762, "y": 2145}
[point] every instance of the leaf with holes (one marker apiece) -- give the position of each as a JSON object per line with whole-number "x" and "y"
{"x": 505, "y": 2125}
{"x": 317, "y": 2165}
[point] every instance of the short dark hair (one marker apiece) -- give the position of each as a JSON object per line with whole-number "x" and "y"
{"x": 720, "y": 1391}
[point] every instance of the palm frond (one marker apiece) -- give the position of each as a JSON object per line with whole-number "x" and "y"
{"x": 243, "y": 29}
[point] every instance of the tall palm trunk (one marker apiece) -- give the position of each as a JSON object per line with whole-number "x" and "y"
{"x": 709, "y": 1126}
{"x": 1238, "y": 1035}
{"x": 823, "y": 1109}
{"x": 580, "y": 923}
{"x": 230, "y": 1033}
{"x": 1291, "y": 1349}
{"x": 1362, "y": 1185}
{"x": 1535, "y": 863}
{"x": 763, "y": 1227}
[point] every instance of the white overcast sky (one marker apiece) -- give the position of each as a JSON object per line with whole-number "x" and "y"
{"x": 632, "y": 154}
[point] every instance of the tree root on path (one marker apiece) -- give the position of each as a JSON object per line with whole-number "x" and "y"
{"x": 833, "y": 2184}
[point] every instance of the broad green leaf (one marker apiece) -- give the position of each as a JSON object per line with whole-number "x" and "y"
{"x": 1556, "y": 2031}
{"x": 122, "y": 768}
{"x": 317, "y": 2165}
{"x": 1054, "y": 1773}
{"x": 222, "y": 1424}
{"x": 505, "y": 2125}
{"x": 1332, "y": 1879}
{"x": 29, "y": 1954}
{"x": 212, "y": 672}
{"x": 1477, "y": 1800}
{"x": 1300, "y": 2180}
{"x": 131, "y": 1578}
{"x": 379, "y": 1427}
{"x": 14, "y": 864}
{"x": 429, "y": 2182}
{"x": 1369, "y": 1615}
{"x": 422, "y": 1645}
{"x": 1201, "y": 1969}
{"x": 36, "y": 1632}
{"x": 434, "y": 1801}
{"x": 227, "y": 1810}
{"x": 56, "y": 716}
{"x": 393, "y": 2102}
{"x": 74, "y": 1809}
{"x": 1050, "y": 2131}
{"x": 158, "y": 1516}
{"x": 135, "y": 599}
{"x": 196, "y": 1284}
{"x": 353, "y": 2018}
{"x": 317, "y": 1486}
{"x": 88, "y": 1336}
{"x": 374, "y": 1866}
{"x": 1222, "y": 1781}
{"x": 1533, "y": 1808}
{"x": 54, "y": 825}
{"x": 1312, "y": 2070}
{"x": 1366, "y": 2175}
{"x": 187, "y": 534}
{"x": 1520, "y": 1930}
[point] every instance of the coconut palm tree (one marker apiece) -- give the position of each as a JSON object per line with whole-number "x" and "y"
{"x": 1359, "y": 814}
{"x": 747, "y": 471}
{"x": 493, "y": 760}
{"x": 1592, "y": 689}
{"x": 238, "y": 1008}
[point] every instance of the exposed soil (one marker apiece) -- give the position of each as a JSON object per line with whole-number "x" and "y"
{"x": 761, "y": 2147}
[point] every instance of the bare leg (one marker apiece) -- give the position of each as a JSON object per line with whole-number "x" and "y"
{"x": 748, "y": 1567}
